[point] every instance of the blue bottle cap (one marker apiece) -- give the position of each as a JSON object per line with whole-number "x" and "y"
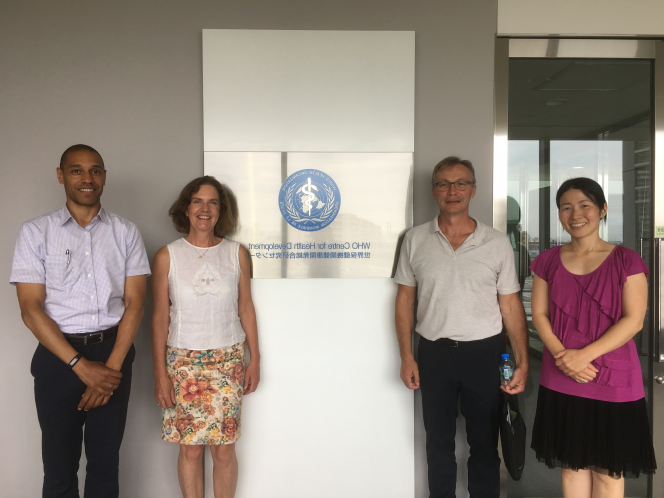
{"x": 505, "y": 356}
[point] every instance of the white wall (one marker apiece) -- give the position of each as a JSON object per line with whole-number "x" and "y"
{"x": 126, "y": 78}
{"x": 308, "y": 91}
{"x": 323, "y": 91}
{"x": 332, "y": 419}
{"x": 581, "y": 18}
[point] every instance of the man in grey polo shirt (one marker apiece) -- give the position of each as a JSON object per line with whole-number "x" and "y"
{"x": 461, "y": 274}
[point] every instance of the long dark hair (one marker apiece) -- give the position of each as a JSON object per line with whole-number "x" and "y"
{"x": 590, "y": 188}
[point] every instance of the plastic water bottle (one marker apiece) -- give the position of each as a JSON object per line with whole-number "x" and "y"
{"x": 506, "y": 368}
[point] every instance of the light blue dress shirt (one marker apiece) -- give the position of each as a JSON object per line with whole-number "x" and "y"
{"x": 83, "y": 269}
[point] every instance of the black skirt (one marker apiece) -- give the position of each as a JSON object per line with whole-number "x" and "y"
{"x": 580, "y": 433}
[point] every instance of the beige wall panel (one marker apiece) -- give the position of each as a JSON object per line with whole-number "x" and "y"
{"x": 581, "y": 17}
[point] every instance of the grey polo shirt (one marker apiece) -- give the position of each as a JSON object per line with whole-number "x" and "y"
{"x": 457, "y": 291}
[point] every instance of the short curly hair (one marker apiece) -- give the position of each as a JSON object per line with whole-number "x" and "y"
{"x": 228, "y": 217}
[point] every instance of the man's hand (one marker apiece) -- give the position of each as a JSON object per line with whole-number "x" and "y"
{"x": 514, "y": 317}
{"x": 101, "y": 382}
{"x": 252, "y": 377}
{"x": 518, "y": 383}
{"x": 92, "y": 399}
{"x": 164, "y": 392}
{"x": 572, "y": 362}
{"x": 410, "y": 373}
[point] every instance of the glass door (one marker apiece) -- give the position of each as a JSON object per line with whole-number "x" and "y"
{"x": 575, "y": 109}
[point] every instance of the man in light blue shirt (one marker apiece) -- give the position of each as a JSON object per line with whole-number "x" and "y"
{"x": 80, "y": 275}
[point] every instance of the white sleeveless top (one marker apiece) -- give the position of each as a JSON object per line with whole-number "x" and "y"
{"x": 203, "y": 294}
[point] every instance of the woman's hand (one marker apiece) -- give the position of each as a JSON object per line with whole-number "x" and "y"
{"x": 587, "y": 375}
{"x": 164, "y": 392}
{"x": 252, "y": 377}
{"x": 573, "y": 362}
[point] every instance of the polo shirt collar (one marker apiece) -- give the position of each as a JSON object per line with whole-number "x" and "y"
{"x": 479, "y": 233}
{"x": 434, "y": 225}
{"x": 64, "y": 216}
{"x": 473, "y": 239}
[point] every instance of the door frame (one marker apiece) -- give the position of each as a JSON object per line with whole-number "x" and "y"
{"x": 508, "y": 48}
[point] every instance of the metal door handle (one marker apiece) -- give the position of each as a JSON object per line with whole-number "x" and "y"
{"x": 657, "y": 316}
{"x": 659, "y": 379}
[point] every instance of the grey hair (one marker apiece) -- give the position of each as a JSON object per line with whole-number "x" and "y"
{"x": 450, "y": 162}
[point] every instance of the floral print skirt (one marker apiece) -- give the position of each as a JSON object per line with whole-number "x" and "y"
{"x": 208, "y": 395}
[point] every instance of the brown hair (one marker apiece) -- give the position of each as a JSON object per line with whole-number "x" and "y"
{"x": 227, "y": 215}
{"x": 450, "y": 162}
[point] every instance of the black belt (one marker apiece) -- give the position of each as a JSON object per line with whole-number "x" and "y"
{"x": 449, "y": 343}
{"x": 91, "y": 338}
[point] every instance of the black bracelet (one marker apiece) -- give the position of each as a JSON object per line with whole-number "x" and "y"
{"x": 74, "y": 361}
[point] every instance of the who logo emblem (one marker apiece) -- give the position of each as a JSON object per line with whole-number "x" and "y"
{"x": 309, "y": 200}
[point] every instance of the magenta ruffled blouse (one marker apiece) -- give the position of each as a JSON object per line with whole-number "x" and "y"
{"x": 581, "y": 309}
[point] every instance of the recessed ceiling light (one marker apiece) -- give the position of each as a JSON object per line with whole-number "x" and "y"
{"x": 577, "y": 167}
{"x": 554, "y": 102}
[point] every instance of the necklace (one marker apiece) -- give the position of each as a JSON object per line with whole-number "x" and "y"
{"x": 200, "y": 256}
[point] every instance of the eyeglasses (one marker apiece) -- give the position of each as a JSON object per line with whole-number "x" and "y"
{"x": 460, "y": 185}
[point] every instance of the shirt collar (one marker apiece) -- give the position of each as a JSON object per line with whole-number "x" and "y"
{"x": 434, "y": 225}
{"x": 64, "y": 216}
{"x": 473, "y": 239}
{"x": 103, "y": 216}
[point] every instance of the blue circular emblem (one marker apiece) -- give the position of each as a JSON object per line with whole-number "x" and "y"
{"x": 309, "y": 200}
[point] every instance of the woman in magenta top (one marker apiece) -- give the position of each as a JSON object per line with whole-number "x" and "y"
{"x": 589, "y": 299}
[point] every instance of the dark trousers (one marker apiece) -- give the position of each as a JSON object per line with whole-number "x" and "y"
{"x": 58, "y": 391}
{"x": 467, "y": 375}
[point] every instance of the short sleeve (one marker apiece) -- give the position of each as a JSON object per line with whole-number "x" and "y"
{"x": 507, "y": 282}
{"x": 404, "y": 274}
{"x": 542, "y": 266}
{"x": 137, "y": 259}
{"x": 28, "y": 263}
{"x": 633, "y": 263}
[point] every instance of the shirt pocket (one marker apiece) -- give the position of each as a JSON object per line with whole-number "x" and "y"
{"x": 58, "y": 271}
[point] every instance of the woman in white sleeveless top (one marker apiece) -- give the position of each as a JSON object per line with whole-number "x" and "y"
{"x": 203, "y": 313}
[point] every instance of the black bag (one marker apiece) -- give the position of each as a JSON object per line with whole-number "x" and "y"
{"x": 513, "y": 436}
